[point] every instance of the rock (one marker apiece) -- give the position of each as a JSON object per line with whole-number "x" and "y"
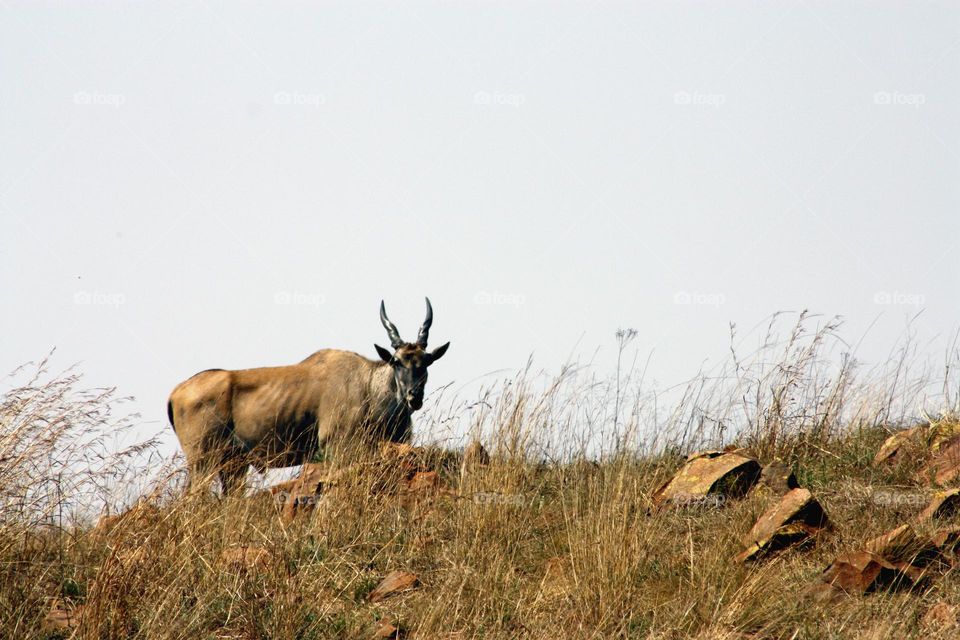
{"x": 860, "y": 572}
{"x": 424, "y": 481}
{"x": 385, "y": 629}
{"x": 901, "y": 545}
{"x": 408, "y": 459}
{"x": 944, "y": 504}
{"x": 944, "y": 468}
{"x": 709, "y": 453}
{"x": 423, "y": 489}
{"x": 933, "y": 437}
{"x": 139, "y": 515}
{"x": 395, "y": 582}
{"x": 941, "y": 432}
{"x": 893, "y": 447}
{"x": 63, "y": 616}
{"x": 796, "y": 519}
{"x": 312, "y": 477}
{"x": 946, "y": 541}
{"x": 941, "y": 617}
{"x": 474, "y": 456}
{"x": 302, "y": 494}
{"x": 396, "y": 465}
{"x": 246, "y": 558}
{"x": 708, "y": 479}
{"x": 297, "y": 503}
{"x": 779, "y": 478}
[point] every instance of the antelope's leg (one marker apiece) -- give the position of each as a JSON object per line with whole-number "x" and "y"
{"x": 233, "y": 475}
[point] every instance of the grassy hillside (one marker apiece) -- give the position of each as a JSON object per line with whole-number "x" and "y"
{"x": 524, "y": 546}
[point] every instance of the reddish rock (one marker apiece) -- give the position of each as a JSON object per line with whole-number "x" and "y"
{"x": 944, "y": 468}
{"x": 902, "y": 545}
{"x": 947, "y": 542}
{"x": 139, "y": 515}
{"x": 864, "y": 572}
{"x": 944, "y": 504}
{"x": 311, "y": 479}
{"x": 942, "y": 432}
{"x": 385, "y": 629}
{"x": 795, "y": 520}
{"x": 893, "y": 447}
{"x": 474, "y": 456}
{"x": 302, "y": 494}
{"x": 403, "y": 457}
{"x": 283, "y": 487}
{"x": 710, "y": 453}
{"x": 778, "y": 478}
{"x": 423, "y": 489}
{"x": 395, "y": 582}
{"x": 426, "y": 481}
{"x": 709, "y": 478}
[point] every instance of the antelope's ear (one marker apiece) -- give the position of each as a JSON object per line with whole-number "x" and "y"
{"x": 385, "y": 355}
{"x": 437, "y": 353}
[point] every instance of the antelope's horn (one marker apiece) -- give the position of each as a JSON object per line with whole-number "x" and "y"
{"x": 391, "y": 328}
{"x": 425, "y": 327}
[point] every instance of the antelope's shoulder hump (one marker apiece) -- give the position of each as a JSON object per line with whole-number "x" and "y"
{"x": 335, "y": 358}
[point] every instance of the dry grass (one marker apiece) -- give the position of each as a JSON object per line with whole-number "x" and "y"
{"x": 553, "y": 539}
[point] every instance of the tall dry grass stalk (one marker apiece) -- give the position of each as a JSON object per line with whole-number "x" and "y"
{"x": 59, "y": 452}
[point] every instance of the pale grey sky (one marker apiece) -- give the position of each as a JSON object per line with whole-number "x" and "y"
{"x": 194, "y": 185}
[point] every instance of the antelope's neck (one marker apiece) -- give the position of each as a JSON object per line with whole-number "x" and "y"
{"x": 387, "y": 408}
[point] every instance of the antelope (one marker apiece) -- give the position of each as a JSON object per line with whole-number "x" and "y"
{"x": 280, "y": 416}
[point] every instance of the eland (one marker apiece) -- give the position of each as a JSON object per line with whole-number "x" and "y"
{"x": 280, "y": 416}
